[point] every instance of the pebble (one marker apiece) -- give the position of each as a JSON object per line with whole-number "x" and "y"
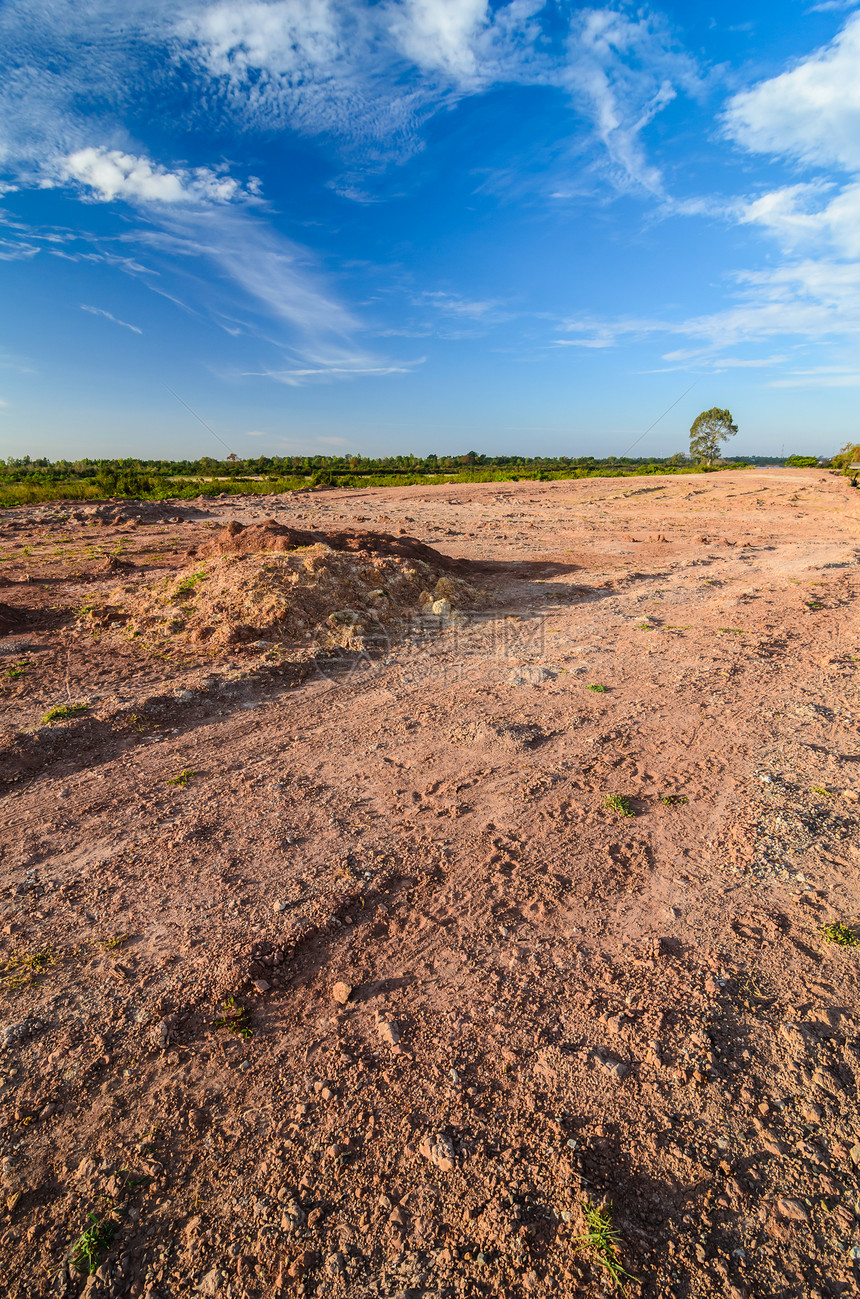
{"x": 262, "y": 985}
{"x": 616, "y": 1068}
{"x": 341, "y": 993}
{"x": 793, "y": 1210}
{"x": 389, "y": 1031}
{"x": 439, "y": 1149}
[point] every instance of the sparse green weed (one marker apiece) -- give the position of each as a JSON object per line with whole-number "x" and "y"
{"x": 821, "y": 791}
{"x": 597, "y": 688}
{"x": 62, "y": 712}
{"x": 673, "y": 800}
{"x": 182, "y": 779}
{"x": 18, "y": 669}
{"x": 88, "y": 1249}
{"x": 601, "y": 1241}
{"x": 235, "y": 1019}
{"x": 733, "y": 631}
{"x": 645, "y": 626}
{"x": 840, "y": 934}
{"x": 619, "y": 803}
{"x": 23, "y": 968}
{"x": 189, "y": 584}
{"x": 111, "y": 944}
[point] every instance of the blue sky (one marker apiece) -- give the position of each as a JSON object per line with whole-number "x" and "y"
{"x": 426, "y": 225}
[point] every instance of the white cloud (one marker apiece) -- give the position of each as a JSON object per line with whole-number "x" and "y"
{"x": 820, "y": 376}
{"x": 811, "y": 112}
{"x": 16, "y": 250}
{"x": 97, "y": 311}
{"x": 110, "y": 174}
{"x": 440, "y": 35}
{"x": 298, "y": 376}
{"x": 797, "y": 216}
{"x": 452, "y": 304}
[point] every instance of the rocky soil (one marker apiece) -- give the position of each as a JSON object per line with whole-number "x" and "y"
{"x": 376, "y": 939}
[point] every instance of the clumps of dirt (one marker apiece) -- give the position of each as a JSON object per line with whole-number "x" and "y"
{"x": 239, "y": 539}
{"x": 113, "y": 564}
{"x": 514, "y": 737}
{"x": 315, "y": 596}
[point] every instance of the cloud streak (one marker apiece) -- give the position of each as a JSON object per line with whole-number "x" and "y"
{"x": 98, "y": 311}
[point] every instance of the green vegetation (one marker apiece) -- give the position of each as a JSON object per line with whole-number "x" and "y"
{"x": 673, "y": 800}
{"x": 23, "y": 968}
{"x": 182, "y": 778}
{"x": 235, "y": 1019}
{"x": 62, "y": 712}
{"x": 597, "y": 688}
{"x": 25, "y": 481}
{"x": 801, "y": 462}
{"x": 601, "y": 1241}
{"x": 18, "y": 669}
{"x": 189, "y": 584}
{"x": 820, "y": 791}
{"x": 708, "y": 431}
{"x": 840, "y": 934}
{"x": 619, "y": 803}
{"x": 88, "y": 1249}
{"x": 849, "y": 455}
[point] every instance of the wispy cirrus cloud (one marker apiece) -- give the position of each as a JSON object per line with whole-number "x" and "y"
{"x": 99, "y": 311}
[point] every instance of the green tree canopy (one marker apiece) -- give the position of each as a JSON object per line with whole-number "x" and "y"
{"x": 707, "y": 431}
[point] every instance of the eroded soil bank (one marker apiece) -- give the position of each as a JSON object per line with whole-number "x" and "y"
{"x": 331, "y": 964}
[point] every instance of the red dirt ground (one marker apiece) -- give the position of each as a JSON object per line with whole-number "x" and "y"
{"x": 475, "y": 997}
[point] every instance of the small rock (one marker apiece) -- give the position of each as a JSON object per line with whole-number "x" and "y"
{"x": 439, "y": 1149}
{"x": 293, "y": 1217}
{"x": 811, "y": 1113}
{"x": 389, "y": 1031}
{"x": 211, "y": 1283}
{"x": 616, "y": 1068}
{"x": 341, "y": 993}
{"x": 262, "y": 985}
{"x": 792, "y": 1210}
{"x": 441, "y": 608}
{"x": 854, "y": 1155}
{"x": 335, "y": 1264}
{"x": 279, "y": 907}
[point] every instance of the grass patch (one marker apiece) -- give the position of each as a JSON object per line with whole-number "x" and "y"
{"x": 821, "y": 791}
{"x": 814, "y": 604}
{"x": 597, "y": 688}
{"x": 601, "y": 1240}
{"x": 111, "y": 944}
{"x": 92, "y": 1244}
{"x": 619, "y": 803}
{"x": 189, "y": 584}
{"x": 18, "y": 669}
{"x": 235, "y": 1019}
{"x": 24, "y": 968}
{"x": 840, "y": 934}
{"x": 182, "y": 778}
{"x": 673, "y": 800}
{"x": 62, "y": 712}
{"x": 732, "y": 631}
{"x": 646, "y": 626}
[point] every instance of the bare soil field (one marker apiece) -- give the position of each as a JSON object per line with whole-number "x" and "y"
{"x": 398, "y": 885}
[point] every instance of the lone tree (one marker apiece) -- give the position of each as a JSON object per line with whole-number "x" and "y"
{"x": 707, "y": 431}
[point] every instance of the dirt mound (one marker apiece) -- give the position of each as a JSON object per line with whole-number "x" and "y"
{"x": 314, "y": 596}
{"x": 239, "y": 539}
